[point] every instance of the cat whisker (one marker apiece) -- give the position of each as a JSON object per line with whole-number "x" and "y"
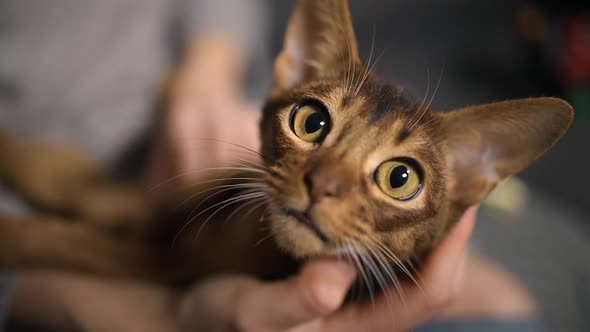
{"x": 380, "y": 265}
{"x": 210, "y": 169}
{"x": 249, "y": 163}
{"x": 368, "y": 72}
{"x": 270, "y": 234}
{"x": 376, "y": 271}
{"x": 423, "y": 99}
{"x": 232, "y": 144}
{"x": 231, "y": 199}
{"x": 264, "y": 214}
{"x": 399, "y": 263}
{"x": 229, "y": 202}
{"x": 416, "y": 271}
{"x": 227, "y": 187}
{"x": 266, "y": 200}
{"x": 352, "y": 250}
{"x": 425, "y": 110}
{"x": 348, "y": 57}
{"x": 390, "y": 272}
{"x": 442, "y": 71}
{"x": 368, "y": 65}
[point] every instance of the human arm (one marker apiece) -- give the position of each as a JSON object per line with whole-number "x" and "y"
{"x": 203, "y": 97}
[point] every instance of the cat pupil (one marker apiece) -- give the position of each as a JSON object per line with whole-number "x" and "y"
{"x": 314, "y": 122}
{"x": 399, "y": 176}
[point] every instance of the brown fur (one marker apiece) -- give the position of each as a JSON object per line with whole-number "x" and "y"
{"x": 461, "y": 156}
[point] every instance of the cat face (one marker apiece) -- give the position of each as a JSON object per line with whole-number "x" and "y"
{"x": 355, "y": 162}
{"x": 354, "y": 169}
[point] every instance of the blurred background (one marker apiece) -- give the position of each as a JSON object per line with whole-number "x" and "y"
{"x": 483, "y": 51}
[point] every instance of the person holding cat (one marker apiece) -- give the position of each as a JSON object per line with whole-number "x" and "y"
{"x": 205, "y": 83}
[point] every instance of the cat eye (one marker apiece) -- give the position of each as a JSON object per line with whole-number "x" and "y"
{"x": 310, "y": 121}
{"x": 399, "y": 179}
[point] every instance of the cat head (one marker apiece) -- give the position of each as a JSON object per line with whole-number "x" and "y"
{"x": 354, "y": 161}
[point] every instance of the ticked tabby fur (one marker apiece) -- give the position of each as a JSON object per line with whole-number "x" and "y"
{"x": 352, "y": 165}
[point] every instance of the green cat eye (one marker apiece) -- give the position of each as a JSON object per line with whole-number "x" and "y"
{"x": 310, "y": 121}
{"x": 399, "y": 179}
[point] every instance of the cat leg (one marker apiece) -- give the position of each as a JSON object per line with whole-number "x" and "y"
{"x": 60, "y": 180}
{"x": 46, "y": 242}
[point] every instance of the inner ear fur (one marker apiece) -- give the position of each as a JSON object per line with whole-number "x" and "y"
{"x": 319, "y": 43}
{"x": 487, "y": 143}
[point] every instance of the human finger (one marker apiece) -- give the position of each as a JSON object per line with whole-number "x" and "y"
{"x": 388, "y": 312}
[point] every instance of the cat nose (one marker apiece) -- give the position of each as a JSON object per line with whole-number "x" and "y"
{"x": 322, "y": 184}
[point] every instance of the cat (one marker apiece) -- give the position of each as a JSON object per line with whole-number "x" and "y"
{"x": 352, "y": 166}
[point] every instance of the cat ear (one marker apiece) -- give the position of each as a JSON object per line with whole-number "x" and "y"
{"x": 319, "y": 43}
{"x": 488, "y": 143}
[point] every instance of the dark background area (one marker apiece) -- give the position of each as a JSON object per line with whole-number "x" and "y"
{"x": 479, "y": 47}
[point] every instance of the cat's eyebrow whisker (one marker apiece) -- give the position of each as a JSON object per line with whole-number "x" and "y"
{"x": 423, "y": 99}
{"x": 425, "y": 110}
{"x": 442, "y": 71}
{"x": 368, "y": 64}
{"x": 367, "y": 73}
{"x": 348, "y": 58}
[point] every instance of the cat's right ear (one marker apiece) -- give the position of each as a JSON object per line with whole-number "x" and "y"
{"x": 319, "y": 43}
{"x": 487, "y": 143}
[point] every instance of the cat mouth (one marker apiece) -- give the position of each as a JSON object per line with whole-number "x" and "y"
{"x": 305, "y": 219}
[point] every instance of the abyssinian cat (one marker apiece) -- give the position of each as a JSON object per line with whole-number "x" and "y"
{"x": 351, "y": 166}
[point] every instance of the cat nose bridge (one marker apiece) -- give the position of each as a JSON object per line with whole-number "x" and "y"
{"x": 327, "y": 179}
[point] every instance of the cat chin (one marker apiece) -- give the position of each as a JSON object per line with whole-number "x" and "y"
{"x": 298, "y": 240}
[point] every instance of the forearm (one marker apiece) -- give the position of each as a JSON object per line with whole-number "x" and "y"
{"x": 68, "y": 302}
{"x": 221, "y": 39}
{"x": 212, "y": 65}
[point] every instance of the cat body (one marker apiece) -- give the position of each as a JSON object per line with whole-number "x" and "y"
{"x": 352, "y": 166}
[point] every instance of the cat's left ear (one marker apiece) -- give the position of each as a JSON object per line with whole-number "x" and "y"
{"x": 488, "y": 143}
{"x": 319, "y": 43}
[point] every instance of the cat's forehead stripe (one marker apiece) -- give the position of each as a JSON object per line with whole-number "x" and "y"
{"x": 385, "y": 99}
{"x": 402, "y": 135}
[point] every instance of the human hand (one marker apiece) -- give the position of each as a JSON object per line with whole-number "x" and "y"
{"x": 310, "y": 301}
{"x": 205, "y": 120}
{"x": 209, "y": 132}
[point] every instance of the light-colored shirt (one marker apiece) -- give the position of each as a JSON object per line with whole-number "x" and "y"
{"x": 84, "y": 72}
